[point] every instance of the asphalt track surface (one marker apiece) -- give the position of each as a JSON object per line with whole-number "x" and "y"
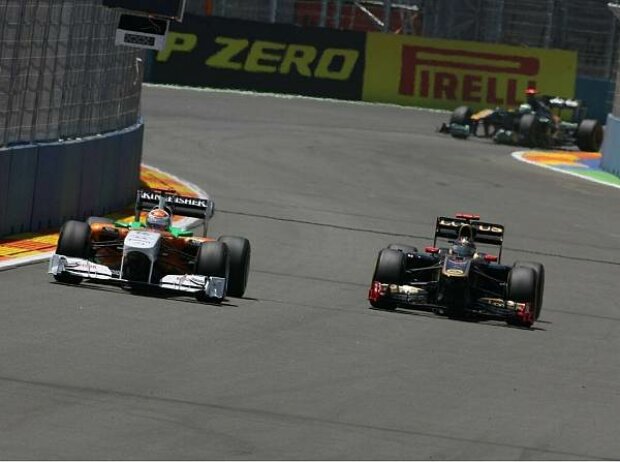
{"x": 302, "y": 368}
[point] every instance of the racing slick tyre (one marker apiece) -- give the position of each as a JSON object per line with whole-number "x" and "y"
{"x": 521, "y": 289}
{"x": 239, "y": 251}
{"x": 539, "y": 269}
{"x": 92, "y": 220}
{"x": 211, "y": 260}
{"x": 74, "y": 241}
{"x": 589, "y": 136}
{"x": 390, "y": 269}
{"x": 530, "y": 131}
{"x": 403, "y": 248}
{"x": 461, "y": 116}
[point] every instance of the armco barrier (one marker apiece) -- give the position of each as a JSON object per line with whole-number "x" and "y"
{"x": 21, "y": 165}
{"x": 611, "y": 146}
{"x": 42, "y": 186}
{"x": 230, "y": 53}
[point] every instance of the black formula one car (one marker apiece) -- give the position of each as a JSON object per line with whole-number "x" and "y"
{"x": 458, "y": 280}
{"x": 555, "y": 122}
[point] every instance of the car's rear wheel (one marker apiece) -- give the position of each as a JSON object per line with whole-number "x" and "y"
{"x": 73, "y": 241}
{"x": 389, "y": 269}
{"x": 403, "y": 248}
{"x": 539, "y": 269}
{"x": 211, "y": 260}
{"x": 92, "y": 220}
{"x": 239, "y": 252}
{"x": 589, "y": 136}
{"x": 521, "y": 289}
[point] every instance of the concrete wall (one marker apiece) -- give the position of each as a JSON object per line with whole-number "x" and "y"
{"x": 43, "y": 185}
{"x": 611, "y": 146}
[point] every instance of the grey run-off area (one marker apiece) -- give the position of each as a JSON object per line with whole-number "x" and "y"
{"x": 302, "y": 369}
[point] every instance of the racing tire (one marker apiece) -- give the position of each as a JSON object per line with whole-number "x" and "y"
{"x": 539, "y": 269}
{"x": 530, "y": 131}
{"x": 389, "y": 269}
{"x": 239, "y": 251}
{"x": 73, "y": 241}
{"x": 211, "y": 260}
{"x": 92, "y": 220}
{"x": 461, "y": 116}
{"x": 403, "y": 248}
{"x": 521, "y": 289}
{"x": 589, "y": 136}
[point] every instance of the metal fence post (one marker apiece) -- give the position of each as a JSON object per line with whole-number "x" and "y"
{"x": 387, "y": 15}
{"x": 549, "y": 25}
{"x": 273, "y": 10}
{"x": 338, "y": 14}
{"x": 323, "y": 18}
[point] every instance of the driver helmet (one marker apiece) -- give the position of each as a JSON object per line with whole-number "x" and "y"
{"x": 158, "y": 219}
{"x": 463, "y": 248}
{"x": 525, "y": 108}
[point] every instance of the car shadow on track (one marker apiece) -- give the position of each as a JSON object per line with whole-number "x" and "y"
{"x": 483, "y": 322}
{"x": 160, "y": 294}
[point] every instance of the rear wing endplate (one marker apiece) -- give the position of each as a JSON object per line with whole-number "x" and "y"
{"x": 185, "y": 206}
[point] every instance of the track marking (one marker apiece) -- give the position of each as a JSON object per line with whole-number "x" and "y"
{"x": 293, "y": 97}
{"x": 520, "y": 155}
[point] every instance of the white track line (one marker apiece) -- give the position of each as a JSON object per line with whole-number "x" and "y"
{"x": 286, "y": 96}
{"x": 186, "y": 223}
{"x": 519, "y": 156}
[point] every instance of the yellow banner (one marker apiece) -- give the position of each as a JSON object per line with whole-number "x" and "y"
{"x": 444, "y": 74}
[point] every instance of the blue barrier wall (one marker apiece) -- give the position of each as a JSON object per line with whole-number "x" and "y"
{"x": 611, "y": 146}
{"x": 43, "y": 185}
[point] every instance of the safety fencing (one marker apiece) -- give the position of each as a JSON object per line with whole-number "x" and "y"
{"x": 61, "y": 76}
{"x": 70, "y": 130}
{"x": 410, "y": 70}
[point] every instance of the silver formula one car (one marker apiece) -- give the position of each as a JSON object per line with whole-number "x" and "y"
{"x": 154, "y": 254}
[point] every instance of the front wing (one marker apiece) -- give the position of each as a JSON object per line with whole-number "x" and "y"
{"x": 416, "y": 297}
{"x": 212, "y": 287}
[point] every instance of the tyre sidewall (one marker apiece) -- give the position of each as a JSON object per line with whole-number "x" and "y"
{"x": 239, "y": 253}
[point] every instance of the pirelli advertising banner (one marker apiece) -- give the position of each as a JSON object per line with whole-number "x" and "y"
{"x": 445, "y": 74}
{"x": 229, "y": 53}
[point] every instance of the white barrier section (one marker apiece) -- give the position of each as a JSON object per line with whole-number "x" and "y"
{"x": 611, "y": 146}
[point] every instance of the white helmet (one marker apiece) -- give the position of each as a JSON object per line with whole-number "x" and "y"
{"x": 158, "y": 219}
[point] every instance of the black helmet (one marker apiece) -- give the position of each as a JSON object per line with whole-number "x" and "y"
{"x": 463, "y": 248}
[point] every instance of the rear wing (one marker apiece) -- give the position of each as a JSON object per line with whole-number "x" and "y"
{"x": 185, "y": 206}
{"x": 482, "y": 232}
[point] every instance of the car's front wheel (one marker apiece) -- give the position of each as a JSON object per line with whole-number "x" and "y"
{"x": 389, "y": 269}
{"x": 239, "y": 252}
{"x": 73, "y": 241}
{"x": 522, "y": 289}
{"x": 211, "y": 260}
{"x": 539, "y": 270}
{"x": 461, "y": 116}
